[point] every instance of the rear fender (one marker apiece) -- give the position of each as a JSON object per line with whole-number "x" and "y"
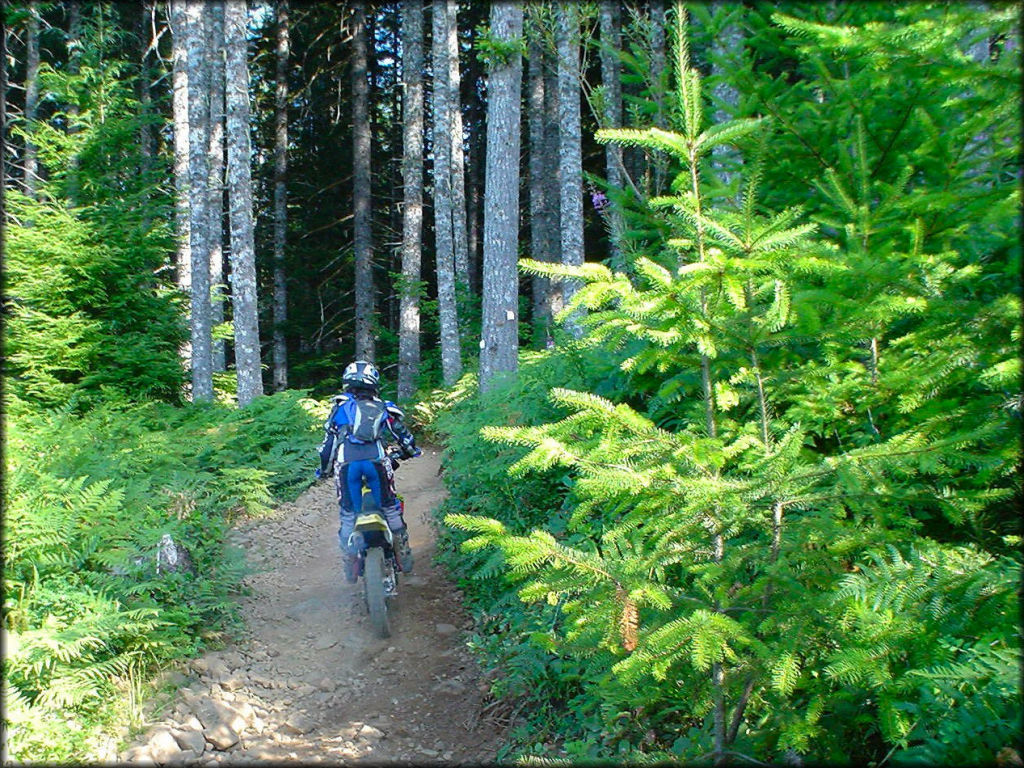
{"x": 369, "y": 525}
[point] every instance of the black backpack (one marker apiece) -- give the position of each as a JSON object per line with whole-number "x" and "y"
{"x": 367, "y": 420}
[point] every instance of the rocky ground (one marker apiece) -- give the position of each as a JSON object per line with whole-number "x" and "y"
{"x": 310, "y": 682}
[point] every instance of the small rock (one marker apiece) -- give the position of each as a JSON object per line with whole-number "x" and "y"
{"x": 221, "y": 736}
{"x": 446, "y": 629}
{"x": 326, "y": 684}
{"x": 185, "y": 757}
{"x": 261, "y": 681}
{"x": 371, "y": 734}
{"x": 190, "y": 740}
{"x": 191, "y": 694}
{"x": 298, "y": 724}
{"x": 233, "y": 683}
{"x": 212, "y": 712}
{"x": 233, "y": 660}
{"x": 162, "y": 745}
{"x": 246, "y": 711}
{"x": 218, "y": 671}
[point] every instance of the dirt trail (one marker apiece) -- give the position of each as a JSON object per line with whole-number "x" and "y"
{"x": 311, "y": 682}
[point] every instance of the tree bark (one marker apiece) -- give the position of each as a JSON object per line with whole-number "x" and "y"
{"x": 280, "y": 304}
{"x": 412, "y": 209}
{"x": 474, "y": 183}
{"x": 214, "y": 20}
{"x": 243, "y": 250}
{"x": 553, "y": 178}
{"x": 31, "y": 158}
{"x": 540, "y": 223}
{"x": 458, "y": 168}
{"x": 179, "y": 104}
{"x": 199, "y": 200}
{"x": 451, "y": 354}
{"x": 362, "y": 236}
{"x": 499, "y": 342}
{"x": 660, "y": 78}
{"x": 611, "y": 43}
{"x": 570, "y": 152}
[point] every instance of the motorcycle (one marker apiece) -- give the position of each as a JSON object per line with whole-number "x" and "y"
{"x": 373, "y": 542}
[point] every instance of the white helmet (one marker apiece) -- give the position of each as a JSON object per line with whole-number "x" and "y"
{"x": 361, "y": 374}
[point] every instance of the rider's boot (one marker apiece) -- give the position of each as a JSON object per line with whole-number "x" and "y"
{"x": 403, "y": 550}
{"x": 350, "y": 565}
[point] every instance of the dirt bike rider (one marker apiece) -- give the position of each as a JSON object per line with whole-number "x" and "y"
{"x": 353, "y": 448}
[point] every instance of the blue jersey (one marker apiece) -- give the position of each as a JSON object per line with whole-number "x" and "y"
{"x": 349, "y": 438}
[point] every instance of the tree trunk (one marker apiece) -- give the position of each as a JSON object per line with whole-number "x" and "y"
{"x": 474, "y": 183}
{"x": 726, "y": 50}
{"x": 412, "y": 209}
{"x": 199, "y": 200}
{"x": 459, "y": 234}
{"x": 610, "y": 76}
{"x": 660, "y": 79}
{"x": 540, "y": 223}
{"x": 553, "y": 178}
{"x": 476, "y": 138}
{"x": 499, "y": 342}
{"x": 214, "y": 20}
{"x": 179, "y": 102}
{"x": 243, "y": 251}
{"x": 570, "y": 151}
{"x": 280, "y": 305}
{"x": 362, "y": 236}
{"x": 31, "y": 159}
{"x": 451, "y": 354}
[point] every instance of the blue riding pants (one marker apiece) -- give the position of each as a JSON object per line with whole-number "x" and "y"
{"x": 379, "y": 478}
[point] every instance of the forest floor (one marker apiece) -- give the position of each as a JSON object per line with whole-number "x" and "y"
{"x": 310, "y": 681}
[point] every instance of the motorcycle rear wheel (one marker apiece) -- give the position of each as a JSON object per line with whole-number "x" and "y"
{"x": 373, "y": 589}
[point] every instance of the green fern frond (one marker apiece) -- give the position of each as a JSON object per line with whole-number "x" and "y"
{"x": 786, "y": 673}
{"x": 648, "y": 138}
{"x": 484, "y": 526}
{"x": 728, "y": 132}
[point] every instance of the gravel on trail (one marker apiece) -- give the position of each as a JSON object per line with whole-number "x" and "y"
{"x": 309, "y": 681}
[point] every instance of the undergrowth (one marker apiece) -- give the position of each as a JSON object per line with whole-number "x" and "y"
{"x": 87, "y": 498}
{"x": 546, "y": 692}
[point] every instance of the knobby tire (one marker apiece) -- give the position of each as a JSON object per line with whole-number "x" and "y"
{"x": 373, "y": 586}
